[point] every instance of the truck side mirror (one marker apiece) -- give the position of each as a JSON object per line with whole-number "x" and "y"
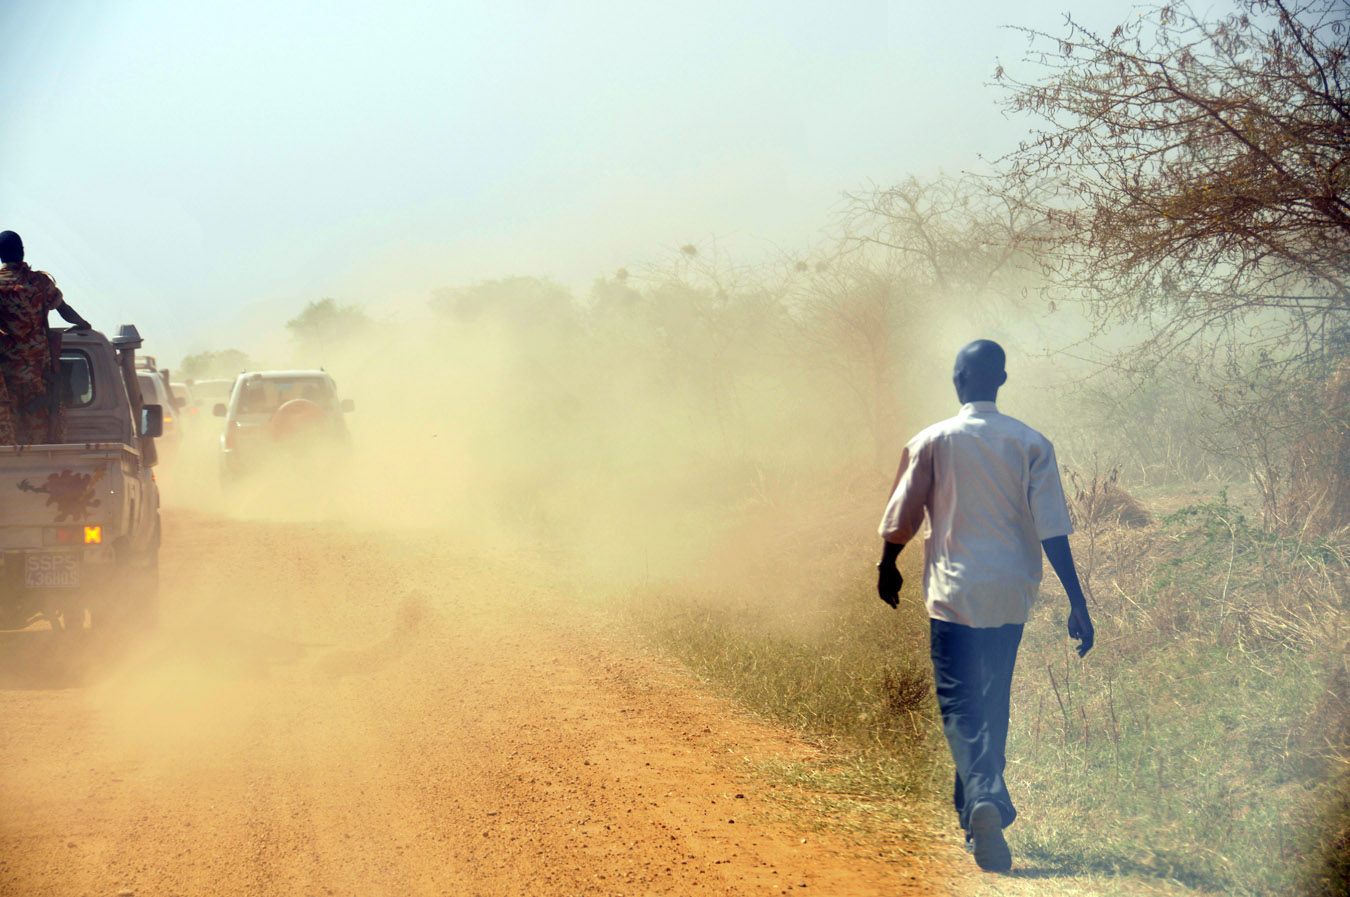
{"x": 179, "y": 401}
{"x": 348, "y": 405}
{"x": 219, "y": 410}
{"x": 152, "y": 421}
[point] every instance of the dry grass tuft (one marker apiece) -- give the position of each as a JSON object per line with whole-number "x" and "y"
{"x": 1100, "y": 499}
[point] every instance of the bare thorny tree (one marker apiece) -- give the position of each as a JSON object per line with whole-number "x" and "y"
{"x": 848, "y": 315}
{"x": 966, "y": 237}
{"x": 1201, "y": 172}
{"x": 909, "y": 258}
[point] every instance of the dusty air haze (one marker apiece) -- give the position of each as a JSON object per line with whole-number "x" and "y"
{"x": 616, "y": 372}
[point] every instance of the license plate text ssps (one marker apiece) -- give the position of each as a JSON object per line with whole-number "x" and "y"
{"x": 51, "y": 571}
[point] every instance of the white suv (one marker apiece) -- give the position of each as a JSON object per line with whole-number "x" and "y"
{"x": 280, "y": 417}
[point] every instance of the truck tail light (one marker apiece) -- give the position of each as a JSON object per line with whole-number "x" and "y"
{"x": 72, "y": 535}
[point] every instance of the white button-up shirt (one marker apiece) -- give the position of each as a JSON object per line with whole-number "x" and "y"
{"x": 991, "y": 490}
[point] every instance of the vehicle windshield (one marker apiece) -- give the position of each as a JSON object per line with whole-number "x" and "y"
{"x": 265, "y": 395}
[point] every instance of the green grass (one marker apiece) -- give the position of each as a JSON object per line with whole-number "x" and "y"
{"x": 1190, "y": 758}
{"x": 1204, "y": 732}
{"x": 1204, "y": 740}
{"x": 847, "y": 679}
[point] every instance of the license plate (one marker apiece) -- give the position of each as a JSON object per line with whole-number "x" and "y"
{"x": 51, "y": 571}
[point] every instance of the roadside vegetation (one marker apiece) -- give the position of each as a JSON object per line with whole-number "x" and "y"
{"x": 1184, "y": 191}
{"x": 1203, "y": 742}
{"x": 1167, "y": 260}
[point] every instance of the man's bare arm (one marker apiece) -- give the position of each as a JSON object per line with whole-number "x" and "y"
{"x": 1080, "y": 621}
{"x": 71, "y": 316}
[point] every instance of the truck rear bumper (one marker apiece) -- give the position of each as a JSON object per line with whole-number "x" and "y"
{"x": 37, "y": 583}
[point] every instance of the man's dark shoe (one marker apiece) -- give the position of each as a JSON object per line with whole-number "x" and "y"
{"x": 986, "y": 834}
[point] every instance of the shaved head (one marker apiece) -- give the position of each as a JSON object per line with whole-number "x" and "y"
{"x": 983, "y": 356}
{"x": 979, "y": 371}
{"x": 11, "y": 247}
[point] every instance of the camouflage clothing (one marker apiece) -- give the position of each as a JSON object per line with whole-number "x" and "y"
{"x": 29, "y": 354}
{"x": 7, "y": 436}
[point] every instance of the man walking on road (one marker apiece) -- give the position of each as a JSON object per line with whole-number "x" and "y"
{"x": 991, "y": 490}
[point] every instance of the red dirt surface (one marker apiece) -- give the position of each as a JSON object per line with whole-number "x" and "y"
{"x": 329, "y": 712}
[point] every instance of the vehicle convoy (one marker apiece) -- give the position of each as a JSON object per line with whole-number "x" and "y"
{"x": 185, "y": 403}
{"x": 79, "y": 521}
{"x": 281, "y": 417}
{"x": 156, "y": 391}
{"x": 206, "y": 393}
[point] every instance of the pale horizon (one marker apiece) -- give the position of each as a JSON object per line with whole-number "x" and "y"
{"x": 205, "y": 172}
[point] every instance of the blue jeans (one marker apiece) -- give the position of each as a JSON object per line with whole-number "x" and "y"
{"x": 972, "y": 671}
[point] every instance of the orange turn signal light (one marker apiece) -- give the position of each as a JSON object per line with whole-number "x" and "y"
{"x": 93, "y": 535}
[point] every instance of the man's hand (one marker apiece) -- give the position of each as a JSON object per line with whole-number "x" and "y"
{"x": 1080, "y": 627}
{"x": 889, "y": 581}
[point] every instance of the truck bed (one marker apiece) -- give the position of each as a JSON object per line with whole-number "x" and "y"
{"x": 42, "y": 486}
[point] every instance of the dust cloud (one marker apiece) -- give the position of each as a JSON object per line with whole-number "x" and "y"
{"x": 656, "y": 435}
{"x": 696, "y": 439}
{"x": 721, "y": 434}
{"x": 643, "y": 431}
{"x": 728, "y": 433}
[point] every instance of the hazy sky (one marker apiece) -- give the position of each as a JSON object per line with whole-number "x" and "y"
{"x": 191, "y": 165}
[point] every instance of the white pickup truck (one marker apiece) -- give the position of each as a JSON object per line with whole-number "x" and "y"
{"x": 79, "y": 521}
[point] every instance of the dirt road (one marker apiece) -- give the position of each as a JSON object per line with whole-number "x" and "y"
{"x": 330, "y": 712}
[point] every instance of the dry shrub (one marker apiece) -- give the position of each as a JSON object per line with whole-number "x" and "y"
{"x": 1205, "y": 568}
{"x": 1319, "y": 481}
{"x": 1102, "y": 500}
{"x": 905, "y": 692}
{"x": 1329, "y": 719}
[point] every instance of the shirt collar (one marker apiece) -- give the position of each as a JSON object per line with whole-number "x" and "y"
{"x": 979, "y": 408}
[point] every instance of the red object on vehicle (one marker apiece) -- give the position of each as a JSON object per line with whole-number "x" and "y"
{"x": 295, "y": 417}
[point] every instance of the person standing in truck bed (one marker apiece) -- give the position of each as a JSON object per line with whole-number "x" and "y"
{"x": 29, "y": 351}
